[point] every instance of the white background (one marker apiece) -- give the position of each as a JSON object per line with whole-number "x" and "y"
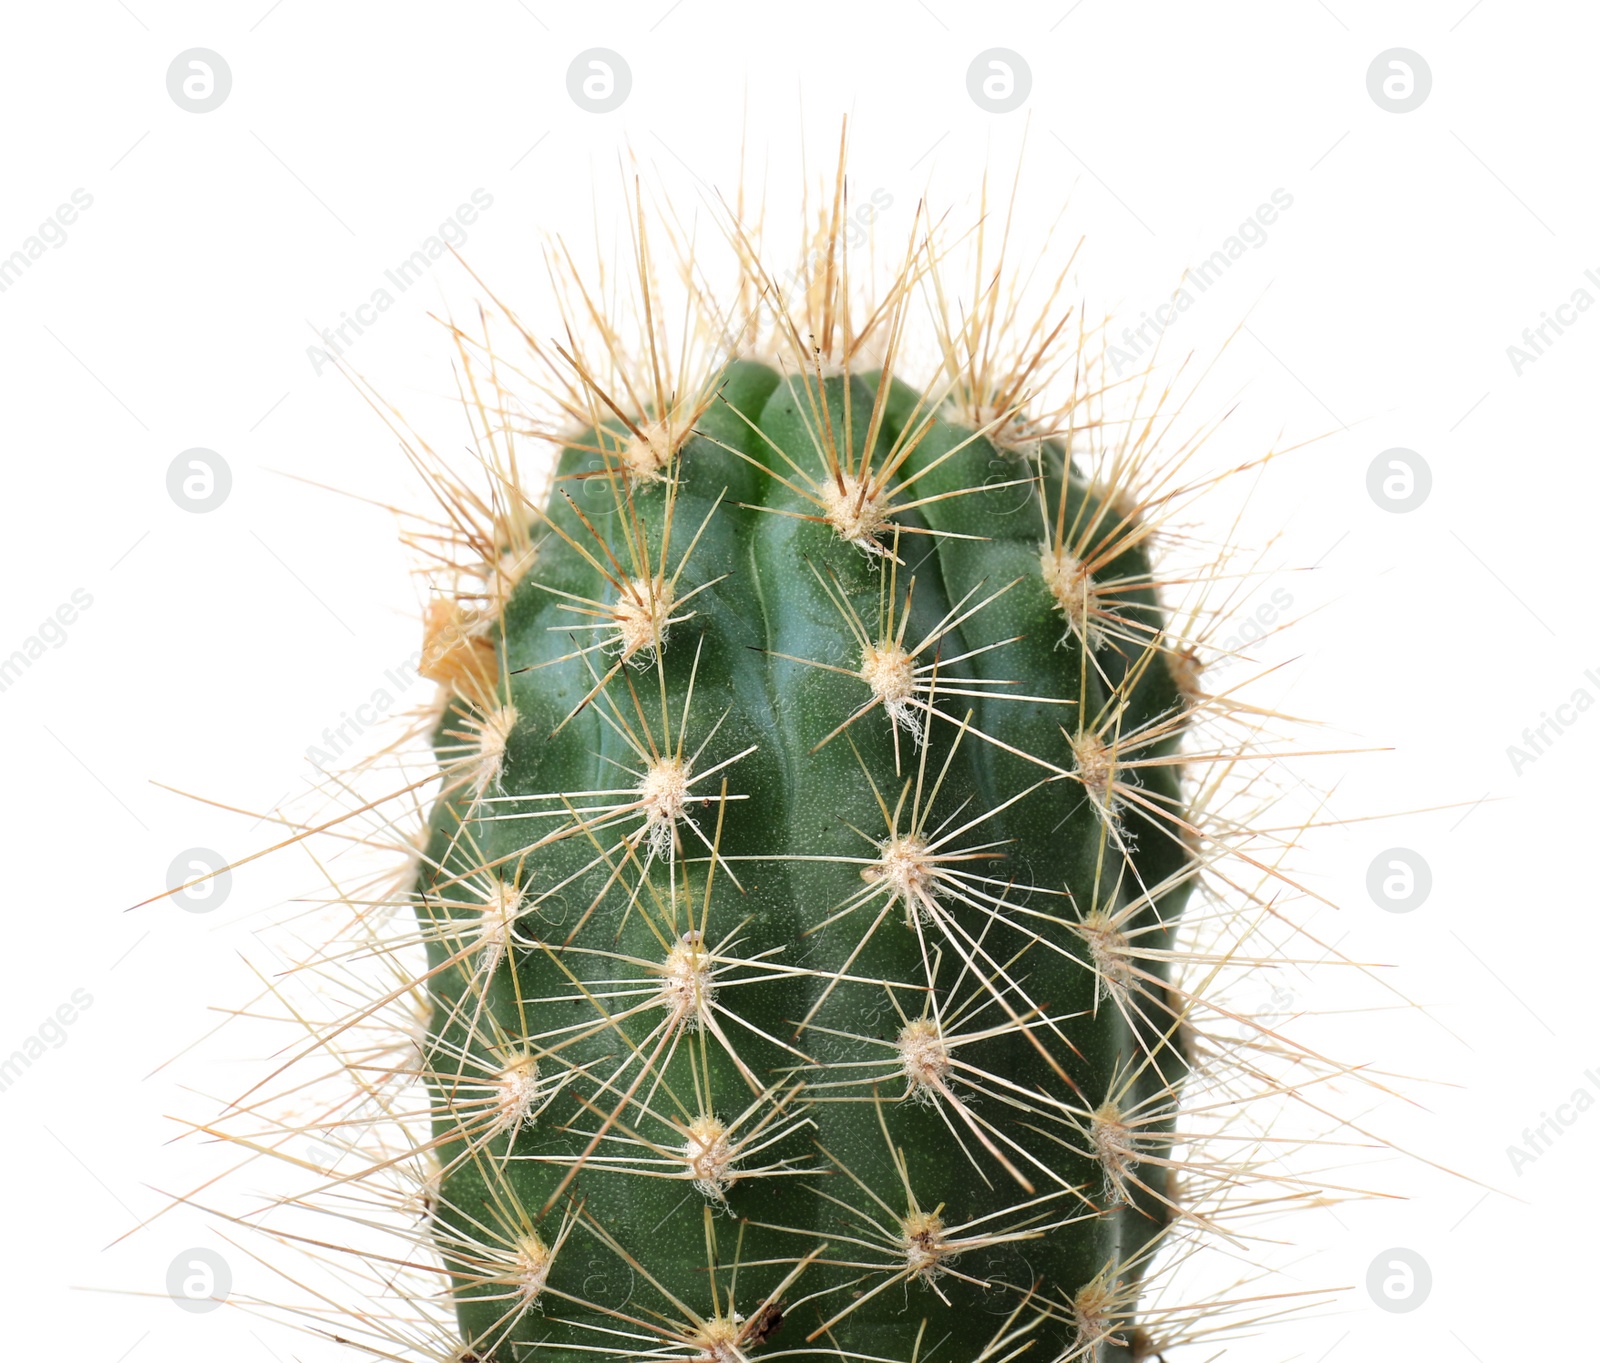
{"x": 219, "y": 646}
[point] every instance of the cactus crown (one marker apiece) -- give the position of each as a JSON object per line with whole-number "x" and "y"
{"x": 791, "y": 961}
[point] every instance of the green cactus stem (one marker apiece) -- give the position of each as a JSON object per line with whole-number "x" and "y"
{"x": 796, "y": 905}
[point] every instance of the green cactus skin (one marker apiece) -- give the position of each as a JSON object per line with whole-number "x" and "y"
{"x": 914, "y": 1165}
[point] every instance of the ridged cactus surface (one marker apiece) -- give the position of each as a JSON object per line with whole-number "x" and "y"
{"x": 797, "y": 902}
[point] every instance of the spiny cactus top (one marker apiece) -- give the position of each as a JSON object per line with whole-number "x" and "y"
{"x": 793, "y": 959}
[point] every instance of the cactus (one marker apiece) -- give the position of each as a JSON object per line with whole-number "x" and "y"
{"x": 792, "y": 961}
{"x": 854, "y": 782}
{"x": 796, "y": 906}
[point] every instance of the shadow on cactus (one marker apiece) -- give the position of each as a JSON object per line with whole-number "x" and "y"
{"x": 793, "y": 961}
